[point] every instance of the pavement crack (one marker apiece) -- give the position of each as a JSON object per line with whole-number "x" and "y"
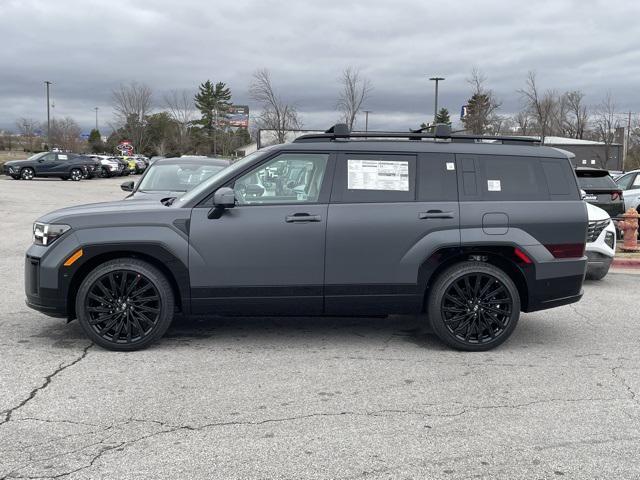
{"x": 632, "y": 394}
{"x": 8, "y": 413}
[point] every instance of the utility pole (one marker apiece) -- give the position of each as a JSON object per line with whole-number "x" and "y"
{"x": 96, "y": 109}
{"x": 366, "y": 120}
{"x": 435, "y": 108}
{"x": 47, "y": 83}
{"x": 626, "y": 143}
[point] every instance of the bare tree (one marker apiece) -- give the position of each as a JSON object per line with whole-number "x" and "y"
{"x": 605, "y": 125}
{"x": 355, "y": 90}
{"x": 277, "y": 115}
{"x": 523, "y": 122}
{"x": 27, "y": 130}
{"x": 132, "y": 104}
{"x": 65, "y": 133}
{"x": 180, "y": 106}
{"x": 540, "y": 105}
{"x": 578, "y": 114}
{"x": 482, "y": 106}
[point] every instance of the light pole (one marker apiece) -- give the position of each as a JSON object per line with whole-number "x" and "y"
{"x": 47, "y": 83}
{"x": 435, "y": 108}
{"x": 96, "y": 109}
{"x": 366, "y": 120}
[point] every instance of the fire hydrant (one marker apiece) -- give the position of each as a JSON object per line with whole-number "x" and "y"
{"x": 629, "y": 227}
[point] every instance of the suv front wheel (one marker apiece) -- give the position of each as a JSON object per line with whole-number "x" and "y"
{"x": 473, "y": 306}
{"x": 125, "y": 304}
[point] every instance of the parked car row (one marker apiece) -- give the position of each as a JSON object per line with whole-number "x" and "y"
{"x": 72, "y": 166}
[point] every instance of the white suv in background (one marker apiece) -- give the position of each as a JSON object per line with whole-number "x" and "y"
{"x": 601, "y": 243}
{"x": 629, "y": 183}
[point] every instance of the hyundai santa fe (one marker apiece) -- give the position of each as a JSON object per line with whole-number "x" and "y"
{"x": 466, "y": 231}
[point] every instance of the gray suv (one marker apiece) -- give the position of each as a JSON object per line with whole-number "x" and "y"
{"x": 468, "y": 231}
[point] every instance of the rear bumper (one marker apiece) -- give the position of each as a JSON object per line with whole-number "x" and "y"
{"x": 556, "y": 283}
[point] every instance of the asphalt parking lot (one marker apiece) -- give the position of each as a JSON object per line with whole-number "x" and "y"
{"x": 312, "y": 397}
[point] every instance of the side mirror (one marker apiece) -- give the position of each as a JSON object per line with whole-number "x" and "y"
{"x": 224, "y": 197}
{"x": 583, "y": 194}
{"x": 127, "y": 186}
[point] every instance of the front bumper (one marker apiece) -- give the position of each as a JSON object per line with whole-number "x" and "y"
{"x": 46, "y": 280}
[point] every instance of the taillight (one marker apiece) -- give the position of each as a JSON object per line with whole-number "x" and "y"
{"x": 521, "y": 255}
{"x": 616, "y": 195}
{"x": 566, "y": 250}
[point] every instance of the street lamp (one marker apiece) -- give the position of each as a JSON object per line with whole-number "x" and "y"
{"x": 435, "y": 108}
{"x": 366, "y": 120}
{"x": 47, "y": 83}
{"x": 96, "y": 109}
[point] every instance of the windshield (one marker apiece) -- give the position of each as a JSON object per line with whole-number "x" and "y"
{"x": 178, "y": 178}
{"x": 37, "y": 156}
{"x": 234, "y": 167}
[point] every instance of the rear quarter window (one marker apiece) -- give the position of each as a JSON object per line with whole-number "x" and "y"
{"x": 511, "y": 178}
{"x": 560, "y": 179}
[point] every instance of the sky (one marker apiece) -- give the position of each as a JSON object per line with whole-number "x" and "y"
{"x": 87, "y": 48}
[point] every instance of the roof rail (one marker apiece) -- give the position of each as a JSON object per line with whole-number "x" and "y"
{"x": 439, "y": 132}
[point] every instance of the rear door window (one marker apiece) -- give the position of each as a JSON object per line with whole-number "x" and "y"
{"x": 437, "y": 178}
{"x": 374, "y": 178}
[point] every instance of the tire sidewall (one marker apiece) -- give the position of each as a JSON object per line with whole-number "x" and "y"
{"x": 155, "y": 276}
{"x": 438, "y": 289}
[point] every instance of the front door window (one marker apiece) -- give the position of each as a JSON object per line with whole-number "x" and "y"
{"x": 285, "y": 179}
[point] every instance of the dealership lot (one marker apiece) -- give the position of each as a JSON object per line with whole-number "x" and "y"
{"x": 312, "y": 397}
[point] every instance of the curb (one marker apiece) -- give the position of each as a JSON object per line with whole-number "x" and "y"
{"x": 626, "y": 263}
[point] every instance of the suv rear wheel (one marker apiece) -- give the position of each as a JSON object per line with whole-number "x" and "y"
{"x": 125, "y": 304}
{"x": 473, "y": 306}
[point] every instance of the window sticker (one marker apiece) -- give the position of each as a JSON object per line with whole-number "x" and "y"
{"x": 494, "y": 186}
{"x": 451, "y": 166}
{"x": 62, "y": 157}
{"x": 378, "y": 175}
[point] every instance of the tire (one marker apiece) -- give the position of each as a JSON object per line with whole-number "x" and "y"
{"x": 15, "y": 177}
{"x": 64, "y": 178}
{"x": 597, "y": 273}
{"x": 27, "y": 173}
{"x": 461, "y": 317}
{"x": 104, "y": 172}
{"x": 76, "y": 174}
{"x": 131, "y": 324}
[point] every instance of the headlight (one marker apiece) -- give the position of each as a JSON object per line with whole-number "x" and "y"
{"x": 45, "y": 233}
{"x": 610, "y": 239}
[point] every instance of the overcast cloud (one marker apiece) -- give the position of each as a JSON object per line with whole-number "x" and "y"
{"x": 86, "y": 48}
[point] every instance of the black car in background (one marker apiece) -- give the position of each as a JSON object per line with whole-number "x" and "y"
{"x": 49, "y": 164}
{"x": 172, "y": 177}
{"x": 601, "y": 190}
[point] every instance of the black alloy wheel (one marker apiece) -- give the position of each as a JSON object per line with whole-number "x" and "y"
{"x": 476, "y": 306}
{"x": 76, "y": 174}
{"x": 27, "y": 173}
{"x": 125, "y": 304}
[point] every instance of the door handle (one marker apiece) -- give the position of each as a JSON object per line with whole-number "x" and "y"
{"x": 302, "y": 218}
{"x": 434, "y": 214}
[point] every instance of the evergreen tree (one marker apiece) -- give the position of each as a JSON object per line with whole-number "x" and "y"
{"x": 443, "y": 116}
{"x": 213, "y": 102}
{"x": 95, "y": 141}
{"x": 480, "y": 108}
